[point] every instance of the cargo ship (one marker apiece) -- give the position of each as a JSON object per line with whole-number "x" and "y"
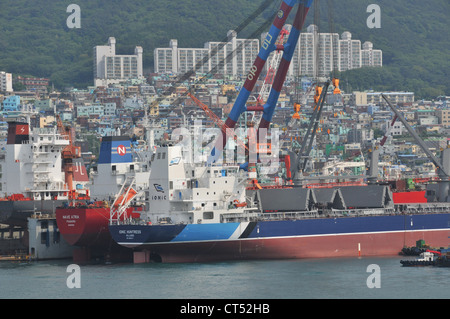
{"x": 201, "y": 212}
{"x": 84, "y": 224}
{"x": 204, "y": 213}
{"x": 37, "y": 173}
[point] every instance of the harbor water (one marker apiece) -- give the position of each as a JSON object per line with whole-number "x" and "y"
{"x": 343, "y": 278}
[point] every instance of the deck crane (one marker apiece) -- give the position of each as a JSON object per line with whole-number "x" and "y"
{"x": 442, "y": 165}
{"x": 299, "y": 159}
{"x": 68, "y": 154}
{"x": 267, "y": 46}
{"x": 295, "y": 119}
{"x": 372, "y": 174}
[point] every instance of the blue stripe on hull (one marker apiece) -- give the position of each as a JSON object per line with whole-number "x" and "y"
{"x": 144, "y": 233}
{"x": 195, "y": 232}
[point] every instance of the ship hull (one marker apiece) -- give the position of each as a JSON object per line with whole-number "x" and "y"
{"x": 87, "y": 229}
{"x": 84, "y": 226}
{"x": 16, "y": 213}
{"x": 308, "y": 238}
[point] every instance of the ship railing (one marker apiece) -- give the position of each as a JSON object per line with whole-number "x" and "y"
{"x": 360, "y": 212}
{"x": 289, "y": 215}
{"x": 239, "y": 218}
{"x": 331, "y": 213}
{"x": 424, "y": 208}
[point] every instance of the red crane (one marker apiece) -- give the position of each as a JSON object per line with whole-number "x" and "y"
{"x": 69, "y": 153}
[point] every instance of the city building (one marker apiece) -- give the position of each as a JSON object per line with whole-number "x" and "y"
{"x": 5, "y": 82}
{"x": 43, "y": 105}
{"x": 234, "y": 57}
{"x": 444, "y": 117}
{"x": 350, "y": 52}
{"x": 400, "y": 98}
{"x": 34, "y": 84}
{"x": 317, "y": 55}
{"x": 111, "y": 68}
{"x": 11, "y": 103}
{"x": 371, "y": 57}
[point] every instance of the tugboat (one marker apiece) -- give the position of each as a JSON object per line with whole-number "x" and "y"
{"x": 427, "y": 258}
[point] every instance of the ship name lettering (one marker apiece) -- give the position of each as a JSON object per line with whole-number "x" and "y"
{"x": 134, "y": 231}
{"x": 159, "y": 197}
{"x": 126, "y": 232}
{"x": 71, "y": 217}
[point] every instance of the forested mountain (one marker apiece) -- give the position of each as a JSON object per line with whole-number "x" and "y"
{"x": 35, "y": 40}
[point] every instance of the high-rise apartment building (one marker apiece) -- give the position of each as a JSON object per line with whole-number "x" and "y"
{"x": 321, "y": 53}
{"x": 234, "y": 57}
{"x": 317, "y": 55}
{"x": 5, "y": 82}
{"x": 350, "y": 52}
{"x": 112, "y": 68}
{"x": 369, "y": 56}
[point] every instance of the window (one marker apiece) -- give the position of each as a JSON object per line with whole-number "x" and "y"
{"x": 44, "y": 236}
{"x": 208, "y": 215}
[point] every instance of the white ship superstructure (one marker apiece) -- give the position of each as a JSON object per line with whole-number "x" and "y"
{"x": 118, "y": 164}
{"x": 32, "y": 163}
{"x": 188, "y": 193}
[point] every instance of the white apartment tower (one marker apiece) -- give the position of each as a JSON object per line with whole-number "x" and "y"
{"x": 234, "y": 57}
{"x": 112, "y": 68}
{"x": 350, "y": 52}
{"x": 317, "y": 53}
{"x": 369, "y": 56}
{"x": 165, "y": 59}
{"x": 5, "y": 82}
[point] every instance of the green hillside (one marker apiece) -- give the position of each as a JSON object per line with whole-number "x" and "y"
{"x": 35, "y": 40}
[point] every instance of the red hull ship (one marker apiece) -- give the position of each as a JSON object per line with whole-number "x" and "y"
{"x": 86, "y": 227}
{"x": 347, "y": 245}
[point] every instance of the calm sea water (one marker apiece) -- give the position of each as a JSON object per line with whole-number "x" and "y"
{"x": 282, "y": 279}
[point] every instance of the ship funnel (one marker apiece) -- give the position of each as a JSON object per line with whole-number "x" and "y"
{"x": 115, "y": 149}
{"x": 18, "y": 132}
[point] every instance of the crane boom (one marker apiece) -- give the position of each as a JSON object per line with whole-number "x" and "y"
{"x": 267, "y": 46}
{"x": 310, "y": 134}
{"x": 218, "y": 121}
{"x": 419, "y": 141}
{"x": 288, "y": 53}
